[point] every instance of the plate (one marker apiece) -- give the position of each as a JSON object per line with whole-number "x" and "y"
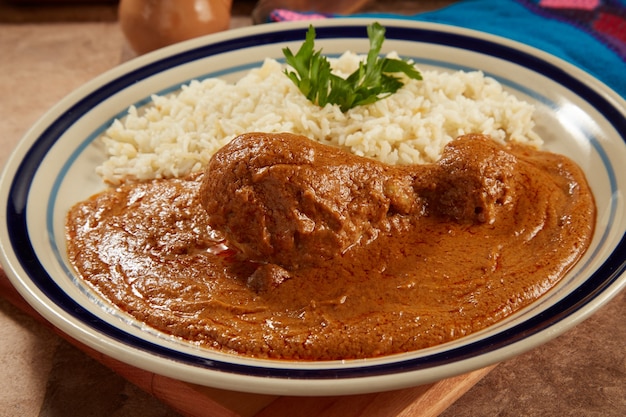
{"x": 53, "y": 167}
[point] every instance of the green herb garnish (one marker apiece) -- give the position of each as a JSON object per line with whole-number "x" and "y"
{"x": 372, "y": 81}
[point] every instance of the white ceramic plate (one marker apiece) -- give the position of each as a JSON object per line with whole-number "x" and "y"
{"x": 53, "y": 167}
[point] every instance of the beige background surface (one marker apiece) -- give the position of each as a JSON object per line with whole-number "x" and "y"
{"x": 581, "y": 373}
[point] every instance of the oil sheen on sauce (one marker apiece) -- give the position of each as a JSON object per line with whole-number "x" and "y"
{"x": 430, "y": 274}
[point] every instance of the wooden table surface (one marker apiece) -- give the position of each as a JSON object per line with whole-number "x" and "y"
{"x": 580, "y": 373}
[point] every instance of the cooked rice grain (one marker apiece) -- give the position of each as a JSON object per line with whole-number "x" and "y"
{"x": 177, "y": 134}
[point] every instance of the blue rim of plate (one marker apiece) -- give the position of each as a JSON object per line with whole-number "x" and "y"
{"x": 593, "y": 287}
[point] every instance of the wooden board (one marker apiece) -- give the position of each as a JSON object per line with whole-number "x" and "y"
{"x": 198, "y": 401}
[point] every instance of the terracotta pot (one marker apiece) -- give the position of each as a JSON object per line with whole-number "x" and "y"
{"x": 152, "y": 24}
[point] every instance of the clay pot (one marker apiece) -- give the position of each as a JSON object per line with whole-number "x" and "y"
{"x": 152, "y": 24}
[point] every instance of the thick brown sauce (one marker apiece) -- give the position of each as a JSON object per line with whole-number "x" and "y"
{"x": 427, "y": 278}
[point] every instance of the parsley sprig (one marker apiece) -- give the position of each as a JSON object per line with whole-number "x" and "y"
{"x": 372, "y": 81}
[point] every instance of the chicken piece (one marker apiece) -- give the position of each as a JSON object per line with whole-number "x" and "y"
{"x": 290, "y": 201}
{"x": 285, "y": 199}
{"x": 474, "y": 179}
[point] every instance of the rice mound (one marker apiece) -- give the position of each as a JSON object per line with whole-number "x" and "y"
{"x": 177, "y": 134}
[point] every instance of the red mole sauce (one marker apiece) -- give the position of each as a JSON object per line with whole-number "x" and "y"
{"x": 286, "y": 248}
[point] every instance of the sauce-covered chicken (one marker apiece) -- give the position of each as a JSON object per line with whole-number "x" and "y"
{"x": 284, "y": 199}
{"x": 289, "y": 249}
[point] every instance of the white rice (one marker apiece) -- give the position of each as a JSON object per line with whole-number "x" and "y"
{"x": 177, "y": 134}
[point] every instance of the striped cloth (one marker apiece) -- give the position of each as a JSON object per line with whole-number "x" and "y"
{"x": 590, "y": 34}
